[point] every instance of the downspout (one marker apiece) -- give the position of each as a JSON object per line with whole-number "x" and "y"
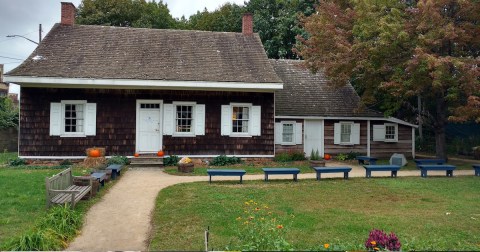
{"x": 368, "y": 138}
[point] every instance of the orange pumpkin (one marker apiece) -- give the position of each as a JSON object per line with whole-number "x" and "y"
{"x": 94, "y": 153}
{"x": 160, "y": 153}
{"x": 327, "y": 157}
{"x": 136, "y": 155}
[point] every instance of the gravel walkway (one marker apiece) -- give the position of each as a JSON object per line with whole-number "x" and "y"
{"x": 121, "y": 220}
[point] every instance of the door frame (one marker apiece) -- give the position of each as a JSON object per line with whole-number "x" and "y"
{"x": 322, "y": 136}
{"x": 137, "y": 122}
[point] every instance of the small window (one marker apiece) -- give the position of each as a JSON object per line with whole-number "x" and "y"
{"x": 74, "y": 118}
{"x": 184, "y": 119}
{"x": 288, "y": 133}
{"x": 240, "y": 119}
{"x": 346, "y": 132}
{"x": 150, "y": 105}
{"x": 391, "y": 134}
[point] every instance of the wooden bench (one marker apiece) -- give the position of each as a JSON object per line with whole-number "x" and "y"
{"x": 444, "y": 167}
{"x": 281, "y": 171}
{"x": 362, "y": 159}
{"x": 370, "y": 168}
{"x": 477, "y": 169}
{"x": 115, "y": 168}
{"x": 225, "y": 172}
{"x": 61, "y": 188}
{"x": 429, "y": 161}
{"x": 320, "y": 170}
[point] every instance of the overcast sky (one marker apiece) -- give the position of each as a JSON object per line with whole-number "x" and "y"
{"x": 21, "y": 17}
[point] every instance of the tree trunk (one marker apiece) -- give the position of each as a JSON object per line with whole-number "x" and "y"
{"x": 440, "y": 125}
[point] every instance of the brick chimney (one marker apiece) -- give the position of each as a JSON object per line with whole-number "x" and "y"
{"x": 68, "y": 13}
{"x": 247, "y": 24}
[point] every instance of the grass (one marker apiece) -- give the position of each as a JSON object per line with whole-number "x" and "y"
{"x": 426, "y": 214}
{"x": 23, "y": 200}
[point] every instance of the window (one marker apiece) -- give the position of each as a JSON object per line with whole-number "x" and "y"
{"x": 387, "y": 132}
{"x": 184, "y": 119}
{"x": 73, "y": 118}
{"x": 346, "y": 133}
{"x": 288, "y": 133}
{"x": 240, "y": 120}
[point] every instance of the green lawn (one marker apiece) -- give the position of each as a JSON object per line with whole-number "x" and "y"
{"x": 426, "y": 214}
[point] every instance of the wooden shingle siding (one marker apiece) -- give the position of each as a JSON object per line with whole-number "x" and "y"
{"x": 296, "y": 147}
{"x": 386, "y": 149}
{"x": 116, "y": 125}
{"x": 331, "y": 148}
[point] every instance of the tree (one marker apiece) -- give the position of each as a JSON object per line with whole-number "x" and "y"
{"x": 227, "y": 18}
{"x": 125, "y": 13}
{"x": 8, "y": 113}
{"x": 393, "y": 51}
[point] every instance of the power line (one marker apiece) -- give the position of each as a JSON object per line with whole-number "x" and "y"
{"x": 11, "y": 58}
{"x": 7, "y": 63}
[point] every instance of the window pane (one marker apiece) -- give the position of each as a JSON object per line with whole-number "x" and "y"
{"x": 346, "y": 130}
{"x": 390, "y": 132}
{"x": 287, "y": 134}
{"x": 74, "y": 118}
{"x": 184, "y": 118}
{"x": 240, "y": 118}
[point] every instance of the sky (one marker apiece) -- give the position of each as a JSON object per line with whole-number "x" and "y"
{"x": 22, "y": 17}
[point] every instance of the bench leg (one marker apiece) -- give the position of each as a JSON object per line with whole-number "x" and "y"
{"x": 266, "y": 177}
{"x": 372, "y": 162}
{"x": 477, "y": 172}
{"x": 318, "y": 175}
{"x": 368, "y": 174}
{"x": 345, "y": 175}
{"x": 449, "y": 173}
{"x": 423, "y": 173}
{"x": 210, "y": 179}
{"x": 295, "y": 177}
{"x": 360, "y": 162}
{"x": 114, "y": 175}
{"x": 394, "y": 174}
{"x": 241, "y": 179}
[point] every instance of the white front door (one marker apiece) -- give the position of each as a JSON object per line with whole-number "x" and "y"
{"x": 149, "y": 126}
{"x": 313, "y": 137}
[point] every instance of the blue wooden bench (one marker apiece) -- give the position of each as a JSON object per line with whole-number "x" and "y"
{"x": 429, "y": 161}
{"x": 444, "y": 167}
{"x": 362, "y": 159}
{"x": 278, "y": 171}
{"x": 477, "y": 169}
{"x": 320, "y": 170}
{"x": 225, "y": 172}
{"x": 116, "y": 169}
{"x": 370, "y": 168}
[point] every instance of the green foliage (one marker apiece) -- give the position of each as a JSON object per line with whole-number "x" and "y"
{"x": 341, "y": 157}
{"x": 315, "y": 155}
{"x": 121, "y": 160}
{"x": 223, "y": 160}
{"x": 8, "y": 113}
{"x": 347, "y": 156}
{"x": 17, "y": 162}
{"x": 50, "y": 233}
{"x": 5, "y": 157}
{"x": 288, "y": 156}
{"x": 66, "y": 162}
{"x": 227, "y": 18}
{"x": 260, "y": 228}
{"x": 171, "y": 160}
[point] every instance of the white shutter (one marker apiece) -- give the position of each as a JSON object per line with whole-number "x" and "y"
{"x": 55, "y": 119}
{"x": 298, "y": 133}
{"x": 200, "y": 119}
{"x": 336, "y": 133}
{"x": 256, "y": 120}
{"x": 226, "y": 127}
{"x": 355, "y": 133}
{"x": 91, "y": 119}
{"x": 378, "y": 132}
{"x": 168, "y": 119}
{"x": 278, "y": 133}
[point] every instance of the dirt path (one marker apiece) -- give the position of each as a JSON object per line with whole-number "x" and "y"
{"x": 121, "y": 220}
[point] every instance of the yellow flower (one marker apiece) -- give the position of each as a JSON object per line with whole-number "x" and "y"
{"x": 266, "y": 207}
{"x": 239, "y": 218}
{"x": 251, "y": 201}
{"x": 269, "y": 212}
{"x": 326, "y": 245}
{"x": 376, "y": 249}
{"x": 279, "y": 226}
{"x": 251, "y": 218}
{"x": 256, "y": 209}
{"x": 373, "y": 243}
{"x": 247, "y": 203}
{"x": 246, "y": 223}
{"x": 262, "y": 218}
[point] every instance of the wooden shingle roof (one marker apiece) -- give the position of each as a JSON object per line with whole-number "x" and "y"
{"x": 105, "y": 52}
{"x": 308, "y": 94}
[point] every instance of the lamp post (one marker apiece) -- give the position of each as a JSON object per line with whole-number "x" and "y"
{"x": 39, "y": 35}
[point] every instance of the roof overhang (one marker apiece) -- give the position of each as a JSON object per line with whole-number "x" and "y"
{"x": 58, "y": 82}
{"x": 389, "y": 119}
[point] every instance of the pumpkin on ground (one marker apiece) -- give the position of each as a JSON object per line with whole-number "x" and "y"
{"x": 327, "y": 157}
{"x": 160, "y": 153}
{"x": 94, "y": 153}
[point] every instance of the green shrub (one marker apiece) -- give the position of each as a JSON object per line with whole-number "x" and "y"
{"x": 223, "y": 160}
{"x": 347, "y": 156}
{"x": 121, "y": 160}
{"x": 66, "y": 162}
{"x": 171, "y": 160}
{"x": 17, "y": 162}
{"x": 341, "y": 157}
{"x": 290, "y": 156}
{"x": 315, "y": 155}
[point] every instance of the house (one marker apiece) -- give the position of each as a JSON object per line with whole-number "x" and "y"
{"x": 310, "y": 115}
{"x": 135, "y": 90}
{"x": 3, "y": 86}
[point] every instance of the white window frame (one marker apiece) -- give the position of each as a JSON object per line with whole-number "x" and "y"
{"x": 194, "y": 115}
{"x": 395, "y": 139}
{"x": 351, "y": 133}
{"x": 62, "y": 117}
{"x": 294, "y": 124}
{"x": 242, "y": 134}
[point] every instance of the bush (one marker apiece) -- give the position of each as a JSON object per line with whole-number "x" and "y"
{"x": 66, "y": 162}
{"x": 223, "y": 160}
{"x": 171, "y": 160}
{"x": 17, "y": 162}
{"x": 379, "y": 240}
{"x": 121, "y": 160}
{"x": 347, "y": 156}
{"x": 315, "y": 155}
{"x": 290, "y": 156}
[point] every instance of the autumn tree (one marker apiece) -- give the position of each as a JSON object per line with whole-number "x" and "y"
{"x": 393, "y": 51}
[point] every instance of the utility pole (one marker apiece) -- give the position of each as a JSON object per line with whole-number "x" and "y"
{"x": 39, "y": 33}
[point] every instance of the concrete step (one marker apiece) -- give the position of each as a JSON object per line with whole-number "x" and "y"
{"x": 149, "y": 165}
{"x": 146, "y": 161}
